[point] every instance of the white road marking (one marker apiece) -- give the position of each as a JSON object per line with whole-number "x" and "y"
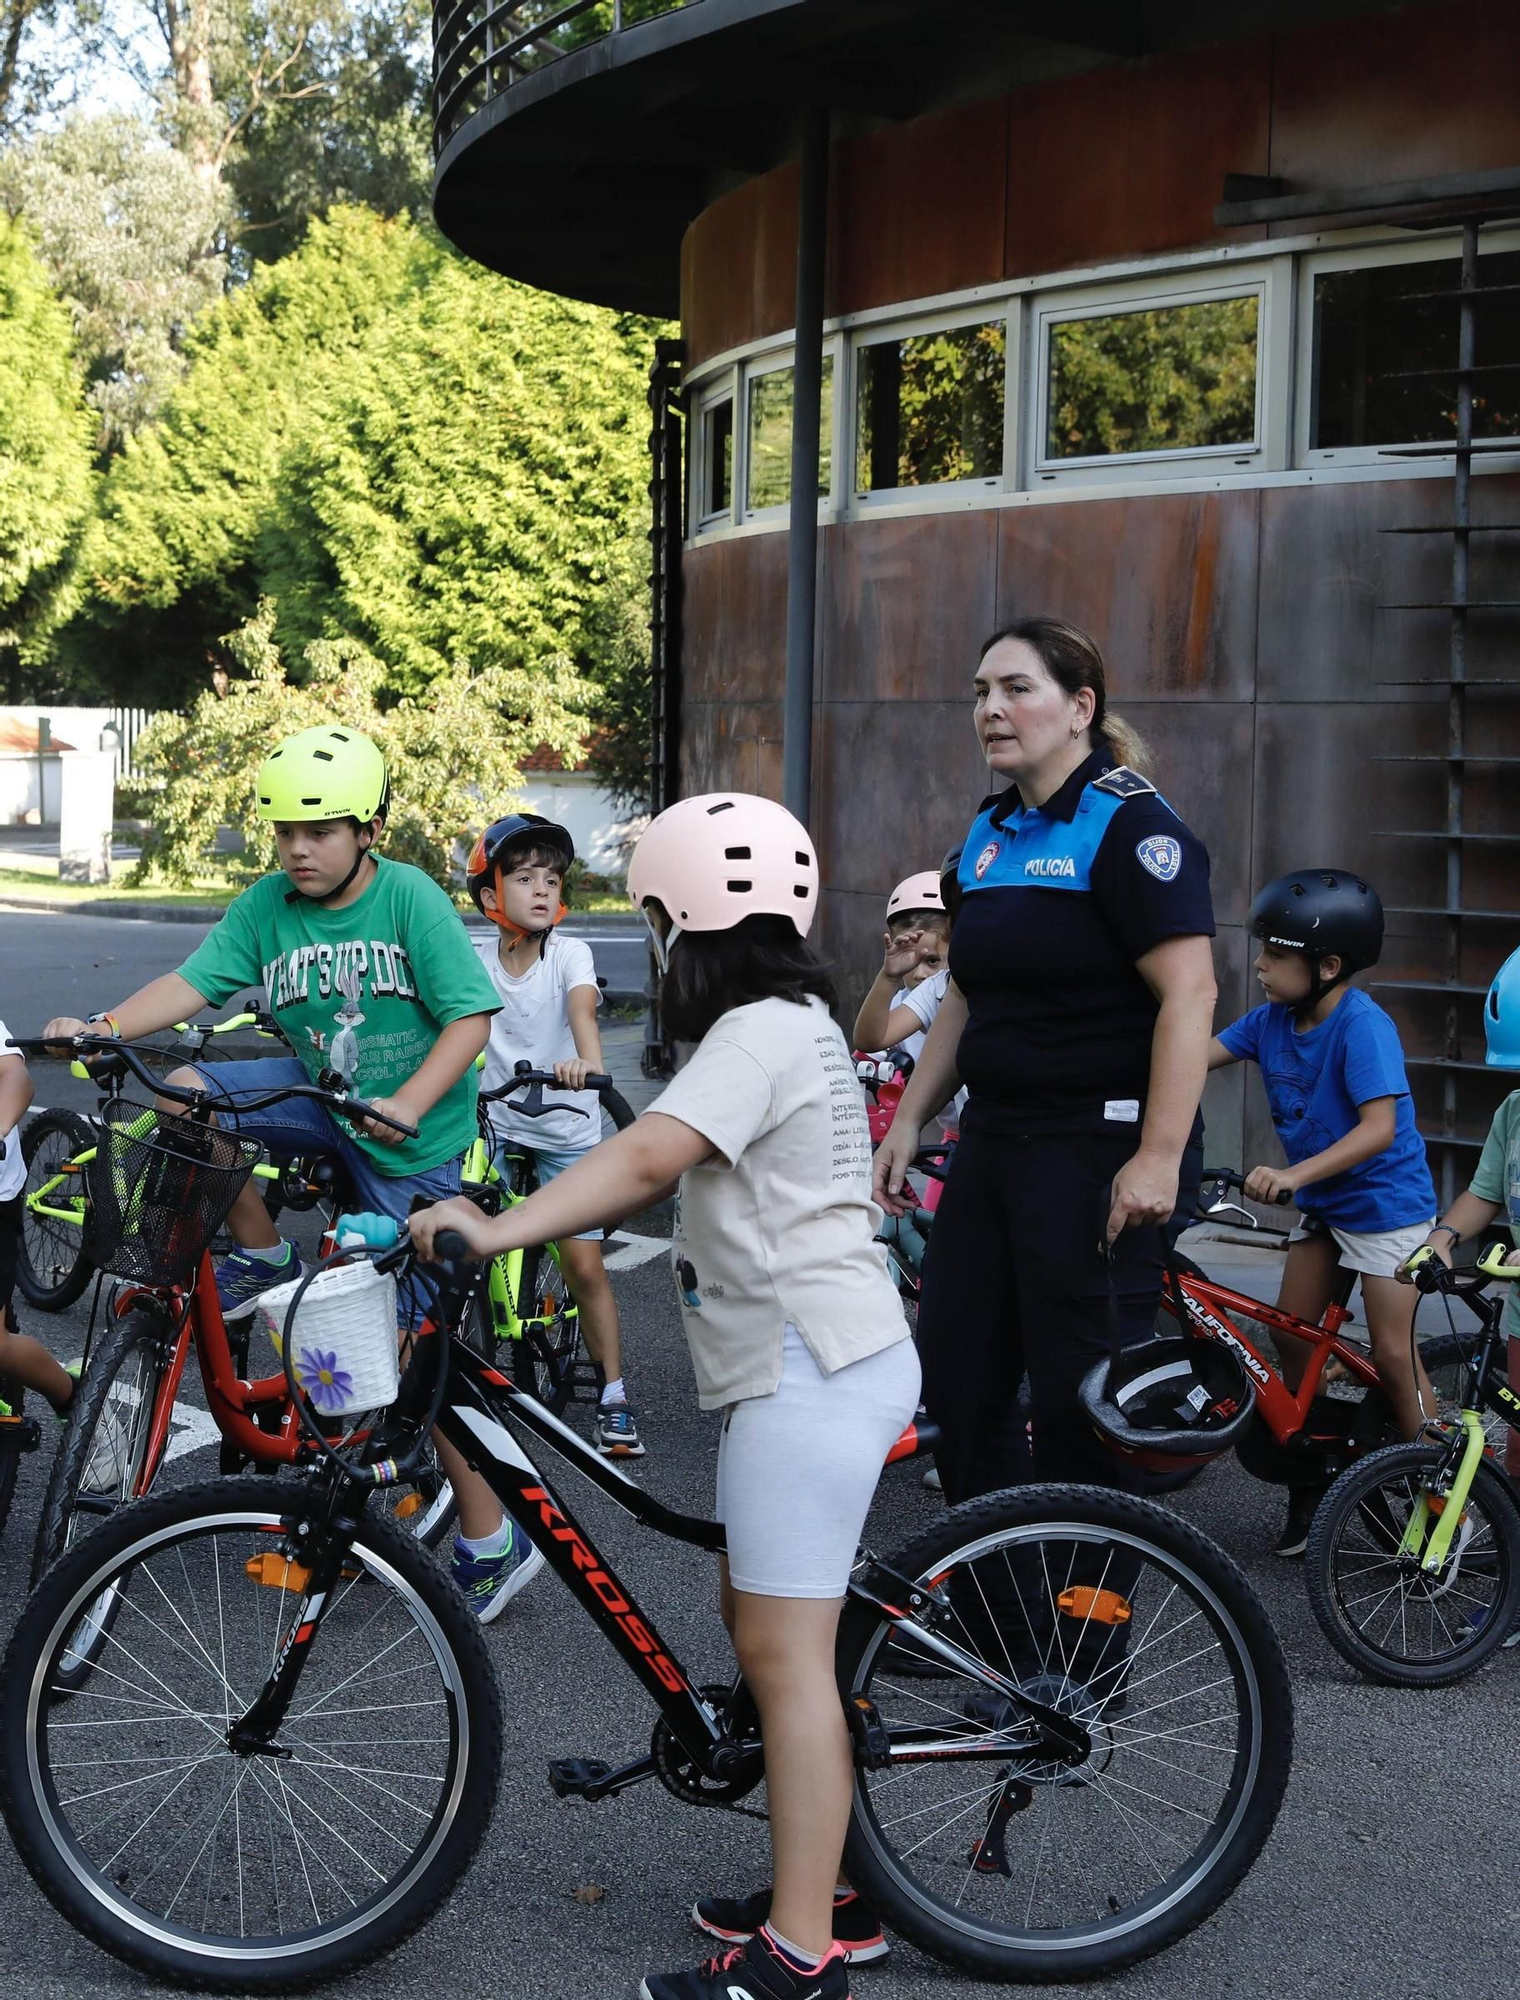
{"x": 191, "y": 1430}
{"x": 633, "y": 1250}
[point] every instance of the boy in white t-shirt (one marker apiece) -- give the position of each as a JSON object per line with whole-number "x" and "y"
{"x": 906, "y": 993}
{"x": 22, "y": 1359}
{"x": 546, "y": 982}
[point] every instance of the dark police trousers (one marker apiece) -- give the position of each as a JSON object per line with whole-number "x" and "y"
{"x": 1015, "y": 1282}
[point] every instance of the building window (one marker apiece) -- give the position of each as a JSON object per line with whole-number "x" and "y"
{"x": 1164, "y": 378}
{"x": 929, "y": 408}
{"x": 768, "y": 475}
{"x": 1385, "y": 354}
{"x": 715, "y": 493}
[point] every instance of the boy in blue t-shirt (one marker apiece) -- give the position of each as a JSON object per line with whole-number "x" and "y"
{"x": 1334, "y": 1074}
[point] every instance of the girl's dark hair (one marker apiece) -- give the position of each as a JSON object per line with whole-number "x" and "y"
{"x": 761, "y": 958}
{"x": 1073, "y": 662}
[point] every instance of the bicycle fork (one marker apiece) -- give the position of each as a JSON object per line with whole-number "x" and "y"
{"x": 1451, "y": 1488}
{"x": 316, "y": 1552}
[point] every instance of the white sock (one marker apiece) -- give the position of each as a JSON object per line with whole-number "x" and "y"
{"x": 804, "y": 1961}
{"x": 614, "y": 1393}
{"x": 268, "y": 1253}
{"x": 495, "y": 1544}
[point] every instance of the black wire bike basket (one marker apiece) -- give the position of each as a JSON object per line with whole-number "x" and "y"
{"x": 159, "y": 1189}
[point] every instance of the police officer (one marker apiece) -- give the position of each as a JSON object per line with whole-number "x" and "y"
{"x": 1079, "y": 1014}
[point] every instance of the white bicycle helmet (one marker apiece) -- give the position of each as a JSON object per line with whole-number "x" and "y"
{"x": 712, "y": 861}
{"x": 916, "y": 892}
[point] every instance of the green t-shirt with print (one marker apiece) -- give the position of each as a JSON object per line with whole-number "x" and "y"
{"x": 363, "y": 990}
{"x": 1498, "y": 1180}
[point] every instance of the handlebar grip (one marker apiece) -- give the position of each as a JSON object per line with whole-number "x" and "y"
{"x": 375, "y": 1232}
{"x": 450, "y": 1247}
{"x": 357, "y": 1108}
{"x": 1492, "y": 1264}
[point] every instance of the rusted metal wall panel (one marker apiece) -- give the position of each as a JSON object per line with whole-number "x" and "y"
{"x": 1423, "y": 90}
{"x": 1165, "y": 584}
{"x": 739, "y": 266}
{"x": 917, "y": 209}
{"x": 1127, "y": 160}
{"x": 904, "y": 606}
{"x": 733, "y": 620}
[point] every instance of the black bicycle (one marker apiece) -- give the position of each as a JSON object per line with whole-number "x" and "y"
{"x": 1071, "y": 1720}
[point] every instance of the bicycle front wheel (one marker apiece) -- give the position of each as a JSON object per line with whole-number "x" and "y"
{"x": 264, "y": 1873}
{"x": 52, "y": 1269}
{"x": 1380, "y": 1610}
{"x": 1120, "y": 1615}
{"x": 543, "y": 1360}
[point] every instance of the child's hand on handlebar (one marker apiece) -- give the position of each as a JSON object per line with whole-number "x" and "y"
{"x": 572, "y": 1075}
{"x": 1270, "y": 1184}
{"x": 1439, "y": 1247}
{"x": 63, "y": 1029}
{"x": 456, "y": 1213}
{"x": 393, "y": 1107}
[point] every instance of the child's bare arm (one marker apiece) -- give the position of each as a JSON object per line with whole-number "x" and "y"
{"x": 159, "y": 1004}
{"x": 16, "y": 1093}
{"x": 580, "y": 1006}
{"x": 1219, "y": 1055}
{"x": 1372, "y": 1134}
{"x": 446, "y": 1061}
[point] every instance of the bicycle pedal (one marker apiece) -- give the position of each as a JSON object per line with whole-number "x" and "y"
{"x": 19, "y": 1434}
{"x": 577, "y": 1777}
{"x": 868, "y": 1733}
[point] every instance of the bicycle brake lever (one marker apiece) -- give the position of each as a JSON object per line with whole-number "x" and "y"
{"x": 531, "y": 1104}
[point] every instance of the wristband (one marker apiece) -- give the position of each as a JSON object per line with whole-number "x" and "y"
{"x": 93, "y": 1020}
{"x": 1454, "y": 1234}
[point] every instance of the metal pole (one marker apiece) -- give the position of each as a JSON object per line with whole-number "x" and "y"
{"x": 802, "y": 536}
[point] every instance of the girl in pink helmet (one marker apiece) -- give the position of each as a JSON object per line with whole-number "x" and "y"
{"x": 795, "y": 1328}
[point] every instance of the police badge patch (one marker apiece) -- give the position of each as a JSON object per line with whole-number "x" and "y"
{"x": 986, "y": 858}
{"x": 1160, "y": 855}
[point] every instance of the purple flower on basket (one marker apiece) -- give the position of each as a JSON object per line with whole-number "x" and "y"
{"x": 322, "y": 1379}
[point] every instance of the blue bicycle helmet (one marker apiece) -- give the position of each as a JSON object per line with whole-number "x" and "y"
{"x": 1501, "y": 1016}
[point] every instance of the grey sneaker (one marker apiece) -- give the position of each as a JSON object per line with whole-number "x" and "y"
{"x": 617, "y": 1435}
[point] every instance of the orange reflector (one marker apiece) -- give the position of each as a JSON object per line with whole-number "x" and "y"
{"x": 277, "y": 1571}
{"x": 408, "y": 1505}
{"x": 1102, "y": 1607}
{"x": 1436, "y": 1502}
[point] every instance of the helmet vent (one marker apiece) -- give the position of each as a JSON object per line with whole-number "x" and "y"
{"x": 802, "y": 859}
{"x": 740, "y": 888}
{"x": 312, "y": 801}
{"x": 723, "y": 806}
{"x": 800, "y": 890}
{"x": 737, "y": 854}
{"x": 322, "y": 756}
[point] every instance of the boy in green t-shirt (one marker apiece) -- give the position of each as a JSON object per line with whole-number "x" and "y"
{"x": 369, "y": 971}
{"x": 1495, "y": 1187}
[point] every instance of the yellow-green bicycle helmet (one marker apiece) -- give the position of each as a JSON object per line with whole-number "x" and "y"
{"x": 324, "y": 773}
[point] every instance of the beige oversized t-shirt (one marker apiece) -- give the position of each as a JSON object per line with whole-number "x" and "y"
{"x": 780, "y": 1226}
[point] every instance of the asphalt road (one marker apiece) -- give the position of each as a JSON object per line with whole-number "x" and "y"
{"x": 1391, "y": 1874}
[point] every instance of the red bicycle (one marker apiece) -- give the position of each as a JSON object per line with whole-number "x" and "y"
{"x": 1307, "y": 1436}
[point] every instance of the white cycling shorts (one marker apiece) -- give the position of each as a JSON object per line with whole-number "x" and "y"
{"x": 797, "y": 1470}
{"x": 1375, "y": 1253}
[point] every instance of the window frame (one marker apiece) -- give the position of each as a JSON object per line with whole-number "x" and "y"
{"x": 722, "y": 387}
{"x": 1048, "y": 308}
{"x": 1313, "y": 264}
{"x": 915, "y": 326}
{"x": 772, "y": 362}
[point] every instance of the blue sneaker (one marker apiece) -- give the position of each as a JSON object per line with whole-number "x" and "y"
{"x": 617, "y": 1435}
{"x": 489, "y": 1583}
{"x": 242, "y": 1279}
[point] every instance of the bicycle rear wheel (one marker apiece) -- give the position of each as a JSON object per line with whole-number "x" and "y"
{"x": 1125, "y": 1618}
{"x": 52, "y": 1269}
{"x": 1377, "y": 1607}
{"x": 263, "y": 1873}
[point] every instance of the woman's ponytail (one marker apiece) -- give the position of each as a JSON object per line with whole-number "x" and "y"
{"x": 1126, "y": 745}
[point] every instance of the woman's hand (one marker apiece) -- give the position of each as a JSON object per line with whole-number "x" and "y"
{"x": 1145, "y": 1190}
{"x": 889, "y": 1170}
{"x": 1269, "y": 1184}
{"x": 458, "y": 1214}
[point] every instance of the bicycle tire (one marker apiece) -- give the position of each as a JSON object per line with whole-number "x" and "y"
{"x": 52, "y": 1269}
{"x": 1341, "y": 1578}
{"x": 543, "y": 1361}
{"x": 105, "y": 1442}
{"x": 208, "y": 1527}
{"x": 12, "y": 1393}
{"x": 1221, "y": 1605}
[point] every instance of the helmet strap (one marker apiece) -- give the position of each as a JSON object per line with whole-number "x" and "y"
{"x": 301, "y": 896}
{"x": 1318, "y": 985}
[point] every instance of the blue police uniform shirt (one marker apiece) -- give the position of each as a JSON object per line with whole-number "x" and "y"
{"x": 1315, "y": 1082}
{"x": 1058, "y": 902}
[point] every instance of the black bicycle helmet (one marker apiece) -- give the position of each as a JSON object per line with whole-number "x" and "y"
{"x": 485, "y": 855}
{"x": 1319, "y": 911}
{"x": 1170, "y": 1403}
{"x": 950, "y": 880}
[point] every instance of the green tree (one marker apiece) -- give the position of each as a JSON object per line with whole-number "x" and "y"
{"x": 454, "y": 756}
{"x": 132, "y": 239}
{"x": 1160, "y": 379}
{"x": 45, "y": 471}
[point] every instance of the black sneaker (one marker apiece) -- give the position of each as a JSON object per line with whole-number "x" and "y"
{"x": 753, "y": 1971}
{"x": 735, "y": 1919}
{"x": 1303, "y": 1505}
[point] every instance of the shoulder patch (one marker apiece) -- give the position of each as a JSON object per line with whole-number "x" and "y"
{"x": 1160, "y": 855}
{"x": 1123, "y": 783}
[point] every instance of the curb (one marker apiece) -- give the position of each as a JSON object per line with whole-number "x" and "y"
{"x": 150, "y": 913}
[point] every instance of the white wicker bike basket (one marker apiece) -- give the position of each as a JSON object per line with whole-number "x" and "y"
{"x": 344, "y": 1338}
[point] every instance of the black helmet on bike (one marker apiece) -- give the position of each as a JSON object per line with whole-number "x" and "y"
{"x": 1170, "y": 1403}
{"x": 950, "y": 880}
{"x": 1320, "y": 911}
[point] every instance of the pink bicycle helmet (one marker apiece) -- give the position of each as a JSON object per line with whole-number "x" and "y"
{"x": 715, "y": 860}
{"x": 916, "y": 892}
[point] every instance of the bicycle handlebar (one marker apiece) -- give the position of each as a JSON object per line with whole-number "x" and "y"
{"x": 536, "y": 1082}
{"x": 123, "y": 1053}
{"x": 1223, "y": 1177}
{"x": 1431, "y": 1274}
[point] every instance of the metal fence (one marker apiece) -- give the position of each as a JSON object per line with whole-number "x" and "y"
{"x": 480, "y": 50}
